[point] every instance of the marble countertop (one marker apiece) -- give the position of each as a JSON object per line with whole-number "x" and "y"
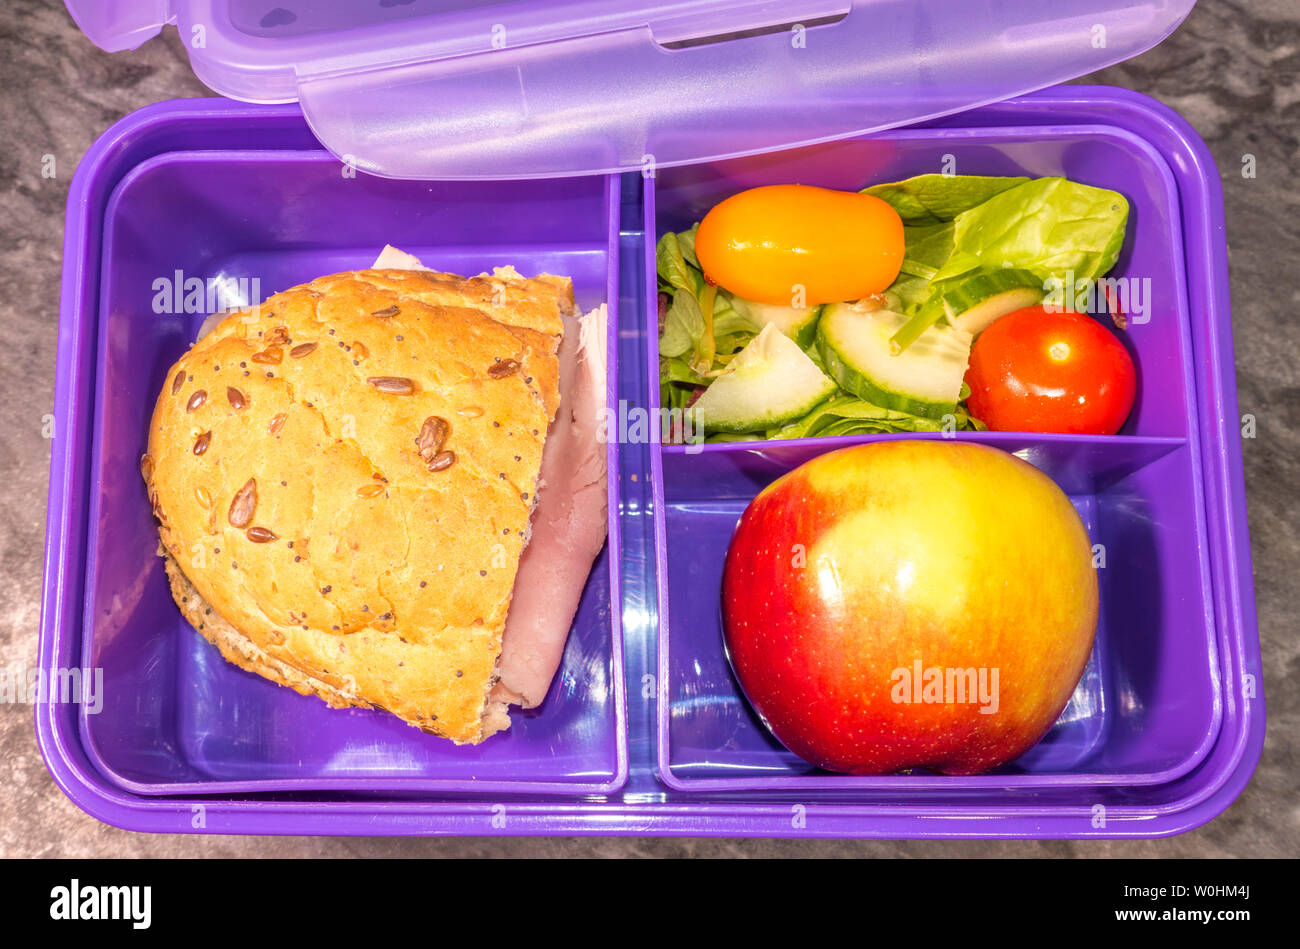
{"x": 1232, "y": 69}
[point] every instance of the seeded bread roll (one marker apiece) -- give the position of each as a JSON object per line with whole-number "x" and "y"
{"x": 343, "y": 478}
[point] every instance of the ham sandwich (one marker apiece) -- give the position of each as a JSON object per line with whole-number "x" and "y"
{"x": 386, "y": 488}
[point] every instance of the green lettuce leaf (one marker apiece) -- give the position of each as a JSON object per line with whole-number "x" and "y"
{"x": 847, "y": 415}
{"x": 678, "y": 382}
{"x": 686, "y": 241}
{"x": 683, "y": 326}
{"x": 925, "y": 249}
{"x": 678, "y": 369}
{"x": 674, "y": 271}
{"x": 685, "y": 330}
{"x": 727, "y": 321}
{"x": 933, "y": 199}
{"x": 1049, "y": 226}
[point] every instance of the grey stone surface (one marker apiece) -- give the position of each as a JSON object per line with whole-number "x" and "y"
{"x": 1233, "y": 69}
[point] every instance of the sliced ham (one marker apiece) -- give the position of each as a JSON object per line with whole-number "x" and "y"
{"x": 569, "y": 522}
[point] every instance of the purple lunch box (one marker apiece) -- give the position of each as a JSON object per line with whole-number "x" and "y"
{"x": 644, "y": 730}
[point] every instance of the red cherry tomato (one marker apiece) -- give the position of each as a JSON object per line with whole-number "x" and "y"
{"x": 1040, "y": 371}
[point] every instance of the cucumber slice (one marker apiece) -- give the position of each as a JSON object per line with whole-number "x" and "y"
{"x": 976, "y": 303}
{"x": 924, "y": 379}
{"x": 799, "y": 323}
{"x": 769, "y": 382}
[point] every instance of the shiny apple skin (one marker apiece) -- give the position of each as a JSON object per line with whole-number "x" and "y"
{"x": 865, "y": 559}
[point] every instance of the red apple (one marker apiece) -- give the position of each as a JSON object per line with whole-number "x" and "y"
{"x": 910, "y": 604}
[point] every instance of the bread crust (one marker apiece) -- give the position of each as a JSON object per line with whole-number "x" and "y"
{"x": 385, "y": 579}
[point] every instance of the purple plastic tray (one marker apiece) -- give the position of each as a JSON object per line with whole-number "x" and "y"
{"x": 1161, "y": 735}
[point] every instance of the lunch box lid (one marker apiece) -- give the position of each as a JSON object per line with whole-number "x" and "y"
{"x": 525, "y": 88}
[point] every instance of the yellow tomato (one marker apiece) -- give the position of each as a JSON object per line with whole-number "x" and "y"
{"x": 797, "y": 245}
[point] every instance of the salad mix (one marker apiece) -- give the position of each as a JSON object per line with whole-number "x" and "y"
{"x": 925, "y": 266}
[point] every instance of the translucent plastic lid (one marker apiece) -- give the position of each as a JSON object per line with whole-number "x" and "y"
{"x": 523, "y": 88}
